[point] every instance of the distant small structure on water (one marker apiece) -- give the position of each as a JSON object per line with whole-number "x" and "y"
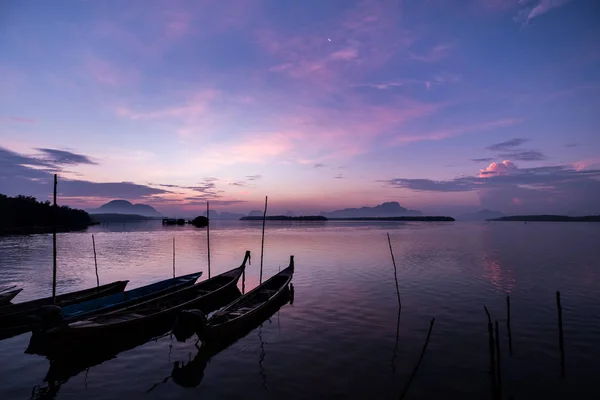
{"x": 174, "y": 221}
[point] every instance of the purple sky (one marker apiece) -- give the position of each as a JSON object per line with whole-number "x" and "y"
{"x": 444, "y": 106}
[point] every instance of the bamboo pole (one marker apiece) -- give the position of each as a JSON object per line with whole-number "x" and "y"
{"x": 560, "y": 336}
{"x": 508, "y": 326}
{"x": 491, "y": 346}
{"x": 95, "y": 262}
{"x": 414, "y": 372}
{"x": 208, "y": 236}
{"x": 395, "y": 274}
{"x": 54, "y": 243}
{"x": 498, "y": 370}
{"x": 262, "y": 245}
{"x": 173, "y": 257}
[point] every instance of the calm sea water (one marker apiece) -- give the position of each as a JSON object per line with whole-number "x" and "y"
{"x": 342, "y": 337}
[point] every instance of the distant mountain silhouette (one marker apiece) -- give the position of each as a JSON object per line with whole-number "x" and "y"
{"x": 125, "y": 207}
{"x": 388, "y": 209}
{"x": 256, "y": 213}
{"x": 480, "y": 215}
{"x": 224, "y": 215}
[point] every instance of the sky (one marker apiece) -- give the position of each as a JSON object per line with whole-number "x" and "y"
{"x": 445, "y": 106}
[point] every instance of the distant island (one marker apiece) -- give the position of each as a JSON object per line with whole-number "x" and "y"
{"x": 548, "y": 218}
{"x": 387, "y": 209}
{"x": 26, "y": 215}
{"x": 481, "y": 215}
{"x": 416, "y": 219}
{"x": 322, "y": 218}
{"x": 114, "y": 217}
{"x": 285, "y": 218}
{"x": 126, "y": 207}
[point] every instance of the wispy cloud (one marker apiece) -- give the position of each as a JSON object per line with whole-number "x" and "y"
{"x": 528, "y": 155}
{"x": 435, "y": 54}
{"x": 453, "y": 132}
{"x": 64, "y": 157}
{"x": 22, "y": 120}
{"x": 544, "y": 6}
{"x": 507, "y": 145}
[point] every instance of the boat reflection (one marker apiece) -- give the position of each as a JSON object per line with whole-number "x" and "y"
{"x": 190, "y": 374}
{"x": 64, "y": 366}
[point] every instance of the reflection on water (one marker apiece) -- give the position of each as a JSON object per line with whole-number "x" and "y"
{"x": 339, "y": 336}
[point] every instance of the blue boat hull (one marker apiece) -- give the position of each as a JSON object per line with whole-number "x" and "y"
{"x": 120, "y": 300}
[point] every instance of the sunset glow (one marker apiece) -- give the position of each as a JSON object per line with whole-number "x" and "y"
{"x": 443, "y": 106}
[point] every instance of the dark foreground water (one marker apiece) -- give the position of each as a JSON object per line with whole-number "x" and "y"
{"x": 341, "y": 337}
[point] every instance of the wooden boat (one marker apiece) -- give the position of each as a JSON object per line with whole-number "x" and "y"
{"x": 7, "y": 295}
{"x": 238, "y": 314}
{"x": 190, "y": 373}
{"x": 135, "y": 320}
{"x": 125, "y": 299}
{"x": 6, "y": 288}
{"x": 19, "y": 312}
{"x": 17, "y": 318}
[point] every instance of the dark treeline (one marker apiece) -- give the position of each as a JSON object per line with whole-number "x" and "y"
{"x": 286, "y": 218}
{"x": 22, "y": 212}
{"x": 548, "y": 218}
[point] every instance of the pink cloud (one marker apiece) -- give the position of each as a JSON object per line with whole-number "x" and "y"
{"x": 586, "y": 164}
{"x": 494, "y": 169}
{"x": 405, "y": 138}
{"x": 107, "y": 73}
{"x": 198, "y": 105}
{"x": 345, "y": 54}
{"x": 363, "y": 38}
{"x": 436, "y": 54}
{"x": 22, "y": 120}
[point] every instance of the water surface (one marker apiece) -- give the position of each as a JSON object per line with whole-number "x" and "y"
{"x": 341, "y": 338}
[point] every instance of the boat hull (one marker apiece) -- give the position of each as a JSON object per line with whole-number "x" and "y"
{"x": 6, "y": 297}
{"x": 131, "y": 322}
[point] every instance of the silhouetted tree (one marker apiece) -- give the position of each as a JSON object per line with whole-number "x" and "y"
{"x": 25, "y": 211}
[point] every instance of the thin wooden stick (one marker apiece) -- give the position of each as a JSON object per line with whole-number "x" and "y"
{"x": 491, "y": 346}
{"x": 54, "y": 243}
{"x": 508, "y": 326}
{"x": 395, "y": 274}
{"x": 262, "y": 245}
{"x": 95, "y": 262}
{"x": 208, "y": 236}
{"x": 560, "y": 336}
{"x": 173, "y": 257}
{"x": 498, "y": 370}
{"x": 414, "y": 372}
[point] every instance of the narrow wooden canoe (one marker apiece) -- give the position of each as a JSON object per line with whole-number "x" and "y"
{"x": 241, "y": 312}
{"x": 139, "y": 318}
{"x": 7, "y": 295}
{"x": 190, "y": 373}
{"x": 6, "y": 288}
{"x": 125, "y": 299}
{"x": 20, "y": 312}
{"x": 17, "y": 318}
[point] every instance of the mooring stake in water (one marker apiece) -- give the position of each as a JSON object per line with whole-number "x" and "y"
{"x": 498, "y": 369}
{"x": 412, "y": 375}
{"x": 395, "y": 273}
{"x": 508, "y": 326}
{"x": 561, "y": 343}
{"x": 95, "y": 262}
{"x": 173, "y": 257}
{"x": 262, "y": 245}
{"x": 208, "y": 237}
{"x": 54, "y": 243}
{"x": 491, "y": 346}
